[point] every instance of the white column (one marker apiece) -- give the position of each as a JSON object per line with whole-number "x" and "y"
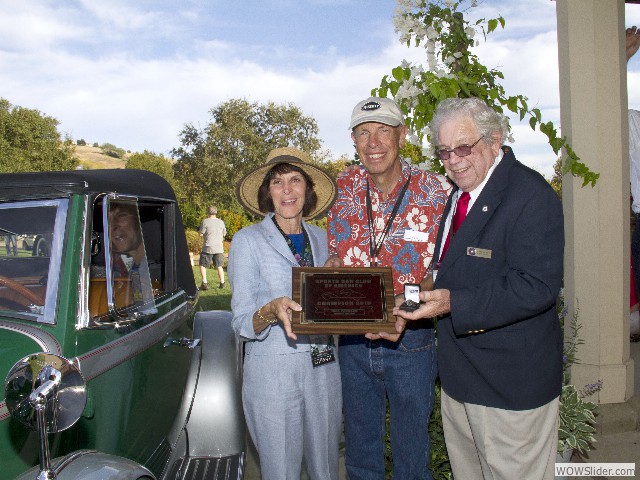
{"x": 593, "y": 100}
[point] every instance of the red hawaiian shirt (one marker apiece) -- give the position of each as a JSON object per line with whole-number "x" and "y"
{"x": 409, "y": 245}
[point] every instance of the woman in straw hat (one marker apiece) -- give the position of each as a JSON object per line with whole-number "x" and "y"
{"x": 291, "y": 387}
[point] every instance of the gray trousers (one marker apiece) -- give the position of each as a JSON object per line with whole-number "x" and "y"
{"x": 495, "y": 444}
{"x": 293, "y": 410}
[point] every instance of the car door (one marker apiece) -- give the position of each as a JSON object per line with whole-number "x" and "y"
{"x": 131, "y": 350}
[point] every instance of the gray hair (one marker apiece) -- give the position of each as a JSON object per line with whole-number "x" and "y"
{"x": 487, "y": 121}
{"x": 213, "y": 210}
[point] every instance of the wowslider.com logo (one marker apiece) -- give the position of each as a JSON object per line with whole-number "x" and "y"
{"x": 595, "y": 469}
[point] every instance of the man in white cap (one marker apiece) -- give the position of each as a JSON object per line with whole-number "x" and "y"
{"x": 387, "y": 214}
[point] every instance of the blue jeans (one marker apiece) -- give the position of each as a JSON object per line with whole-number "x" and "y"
{"x": 403, "y": 372}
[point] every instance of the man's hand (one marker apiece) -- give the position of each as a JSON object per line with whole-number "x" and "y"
{"x": 632, "y": 41}
{"x": 436, "y": 302}
{"x": 333, "y": 262}
{"x": 392, "y": 337}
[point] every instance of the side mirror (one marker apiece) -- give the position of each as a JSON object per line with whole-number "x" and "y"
{"x": 46, "y": 393}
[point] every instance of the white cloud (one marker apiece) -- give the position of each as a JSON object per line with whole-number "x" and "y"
{"x": 133, "y": 75}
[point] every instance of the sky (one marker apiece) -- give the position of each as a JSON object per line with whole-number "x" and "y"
{"x": 134, "y": 73}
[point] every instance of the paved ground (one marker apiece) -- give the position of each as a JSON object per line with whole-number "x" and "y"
{"x": 619, "y": 442}
{"x": 613, "y": 445}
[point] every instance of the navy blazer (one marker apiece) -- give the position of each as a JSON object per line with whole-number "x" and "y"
{"x": 501, "y": 344}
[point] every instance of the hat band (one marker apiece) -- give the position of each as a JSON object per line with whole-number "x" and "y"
{"x": 285, "y": 158}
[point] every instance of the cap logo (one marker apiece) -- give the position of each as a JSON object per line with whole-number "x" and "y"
{"x": 370, "y": 106}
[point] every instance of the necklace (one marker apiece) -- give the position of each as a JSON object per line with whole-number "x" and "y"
{"x": 304, "y": 260}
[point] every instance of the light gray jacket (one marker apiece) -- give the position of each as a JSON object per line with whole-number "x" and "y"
{"x": 259, "y": 269}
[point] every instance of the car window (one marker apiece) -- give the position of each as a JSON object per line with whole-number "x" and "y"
{"x": 128, "y": 265}
{"x": 30, "y": 237}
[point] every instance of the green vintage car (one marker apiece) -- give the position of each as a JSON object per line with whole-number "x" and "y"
{"x": 109, "y": 371}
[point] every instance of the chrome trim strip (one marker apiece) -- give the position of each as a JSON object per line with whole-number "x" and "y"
{"x": 44, "y": 340}
{"x": 84, "y": 258}
{"x": 64, "y": 461}
{"x": 100, "y": 360}
{"x": 112, "y": 354}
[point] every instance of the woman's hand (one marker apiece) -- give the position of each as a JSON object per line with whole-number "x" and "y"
{"x": 281, "y": 309}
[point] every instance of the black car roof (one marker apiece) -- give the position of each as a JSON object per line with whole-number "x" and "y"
{"x": 52, "y": 184}
{"x": 20, "y": 186}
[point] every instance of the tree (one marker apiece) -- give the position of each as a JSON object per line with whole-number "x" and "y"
{"x": 30, "y": 142}
{"x": 452, "y": 70}
{"x": 556, "y": 180}
{"x": 240, "y": 135}
{"x": 153, "y": 163}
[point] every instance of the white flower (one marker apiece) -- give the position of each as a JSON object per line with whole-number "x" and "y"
{"x": 417, "y": 220}
{"x": 355, "y": 257}
{"x": 450, "y": 3}
{"x": 470, "y": 32}
{"x": 430, "y": 249}
{"x": 413, "y": 140}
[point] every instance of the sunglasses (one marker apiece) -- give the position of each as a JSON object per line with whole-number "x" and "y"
{"x": 460, "y": 151}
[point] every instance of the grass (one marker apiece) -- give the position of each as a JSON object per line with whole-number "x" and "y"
{"x": 215, "y": 298}
{"x": 93, "y": 158}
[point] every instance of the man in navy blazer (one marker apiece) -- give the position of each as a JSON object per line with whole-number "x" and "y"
{"x": 495, "y": 291}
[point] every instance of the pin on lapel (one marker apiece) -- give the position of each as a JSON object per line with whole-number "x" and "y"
{"x": 485, "y": 208}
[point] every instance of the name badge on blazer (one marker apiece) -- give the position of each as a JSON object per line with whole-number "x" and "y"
{"x": 478, "y": 252}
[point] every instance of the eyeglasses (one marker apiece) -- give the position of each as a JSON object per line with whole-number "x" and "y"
{"x": 460, "y": 150}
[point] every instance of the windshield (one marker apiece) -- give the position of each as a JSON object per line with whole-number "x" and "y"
{"x": 28, "y": 275}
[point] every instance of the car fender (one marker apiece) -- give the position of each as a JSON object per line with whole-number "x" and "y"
{"x": 216, "y": 422}
{"x": 92, "y": 465}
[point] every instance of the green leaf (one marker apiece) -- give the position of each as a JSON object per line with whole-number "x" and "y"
{"x": 398, "y": 73}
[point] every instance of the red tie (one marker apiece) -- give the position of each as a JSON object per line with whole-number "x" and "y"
{"x": 458, "y": 217}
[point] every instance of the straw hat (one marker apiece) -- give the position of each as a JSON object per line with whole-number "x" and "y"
{"x": 324, "y": 186}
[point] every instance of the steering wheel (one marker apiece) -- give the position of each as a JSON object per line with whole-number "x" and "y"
{"x": 21, "y": 290}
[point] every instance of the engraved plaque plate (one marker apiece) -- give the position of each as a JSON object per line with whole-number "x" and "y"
{"x": 343, "y": 300}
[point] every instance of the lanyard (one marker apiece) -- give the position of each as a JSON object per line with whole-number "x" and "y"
{"x": 306, "y": 258}
{"x": 374, "y": 250}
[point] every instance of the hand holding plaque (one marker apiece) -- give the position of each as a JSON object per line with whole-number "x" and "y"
{"x": 343, "y": 300}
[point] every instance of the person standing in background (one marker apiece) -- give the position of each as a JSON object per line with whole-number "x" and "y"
{"x": 213, "y": 231}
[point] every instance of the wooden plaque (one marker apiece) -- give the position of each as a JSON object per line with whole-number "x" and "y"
{"x": 343, "y": 300}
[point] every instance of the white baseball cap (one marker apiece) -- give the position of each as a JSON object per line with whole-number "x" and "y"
{"x": 374, "y": 109}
